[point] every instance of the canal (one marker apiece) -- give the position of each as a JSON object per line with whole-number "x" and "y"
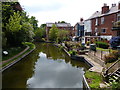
{"x": 46, "y": 67}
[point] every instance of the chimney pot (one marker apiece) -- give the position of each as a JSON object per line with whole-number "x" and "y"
{"x": 105, "y": 4}
{"x": 113, "y": 5}
{"x": 105, "y": 8}
{"x": 119, "y": 5}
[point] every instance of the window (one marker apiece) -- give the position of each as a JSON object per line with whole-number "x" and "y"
{"x": 96, "y": 23}
{"x": 118, "y": 17}
{"x": 103, "y": 30}
{"x": 96, "y": 29}
{"x": 102, "y": 20}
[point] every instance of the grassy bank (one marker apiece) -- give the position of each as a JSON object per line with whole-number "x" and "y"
{"x": 30, "y": 45}
{"x": 94, "y": 79}
{"x": 12, "y": 52}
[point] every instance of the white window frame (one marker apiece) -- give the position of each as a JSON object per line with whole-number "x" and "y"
{"x": 96, "y": 22}
{"x": 102, "y": 20}
{"x": 118, "y": 17}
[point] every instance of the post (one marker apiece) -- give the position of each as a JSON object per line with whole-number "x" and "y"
{"x": 101, "y": 54}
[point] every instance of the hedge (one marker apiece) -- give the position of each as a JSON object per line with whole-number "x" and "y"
{"x": 102, "y": 45}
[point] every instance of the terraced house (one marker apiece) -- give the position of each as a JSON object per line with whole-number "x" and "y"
{"x": 104, "y": 23}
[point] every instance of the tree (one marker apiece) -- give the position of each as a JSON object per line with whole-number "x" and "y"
{"x": 27, "y": 32}
{"x": 62, "y": 35}
{"x": 12, "y": 28}
{"x": 40, "y": 34}
{"x": 18, "y": 32}
{"x": 43, "y": 26}
{"x": 61, "y": 22}
{"x": 53, "y": 33}
{"x": 4, "y": 40}
{"x": 34, "y": 22}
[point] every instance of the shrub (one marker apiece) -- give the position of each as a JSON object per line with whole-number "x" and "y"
{"x": 111, "y": 57}
{"x": 72, "y": 52}
{"x": 88, "y": 43}
{"x": 29, "y": 44}
{"x": 102, "y": 45}
{"x": 115, "y": 41}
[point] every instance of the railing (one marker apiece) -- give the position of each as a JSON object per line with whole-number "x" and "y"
{"x": 112, "y": 68}
{"x": 116, "y": 25}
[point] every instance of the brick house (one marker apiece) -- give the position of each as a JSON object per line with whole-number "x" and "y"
{"x": 60, "y": 26}
{"x": 102, "y": 22}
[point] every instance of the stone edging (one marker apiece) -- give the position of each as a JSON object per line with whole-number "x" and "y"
{"x": 84, "y": 79}
{"x": 85, "y": 83}
{"x": 15, "y": 61}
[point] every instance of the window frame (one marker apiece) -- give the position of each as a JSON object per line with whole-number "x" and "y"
{"x": 102, "y": 20}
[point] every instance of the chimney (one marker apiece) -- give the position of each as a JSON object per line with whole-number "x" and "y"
{"x": 119, "y": 5}
{"x": 81, "y": 19}
{"x": 113, "y": 5}
{"x": 105, "y": 8}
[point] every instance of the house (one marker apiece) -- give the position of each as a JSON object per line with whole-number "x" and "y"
{"x": 60, "y": 26}
{"x": 102, "y": 22}
{"x": 79, "y": 30}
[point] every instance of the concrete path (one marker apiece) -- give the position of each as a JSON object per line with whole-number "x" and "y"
{"x": 96, "y": 67}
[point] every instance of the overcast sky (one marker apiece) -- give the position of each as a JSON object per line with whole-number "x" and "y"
{"x": 63, "y": 10}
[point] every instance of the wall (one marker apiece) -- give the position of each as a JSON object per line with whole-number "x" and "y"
{"x": 108, "y": 24}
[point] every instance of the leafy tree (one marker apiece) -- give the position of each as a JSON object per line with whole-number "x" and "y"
{"x": 34, "y": 22}
{"x": 27, "y": 32}
{"x": 40, "y": 34}
{"x": 14, "y": 23}
{"x": 18, "y": 32}
{"x": 12, "y": 28}
{"x": 62, "y": 35}
{"x": 43, "y": 26}
{"x": 4, "y": 40}
{"x": 53, "y": 33}
{"x": 61, "y": 22}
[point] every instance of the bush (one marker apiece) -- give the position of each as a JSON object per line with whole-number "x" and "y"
{"x": 102, "y": 45}
{"x": 88, "y": 43}
{"x": 115, "y": 41}
{"x": 111, "y": 57}
{"x": 72, "y": 52}
{"x": 29, "y": 44}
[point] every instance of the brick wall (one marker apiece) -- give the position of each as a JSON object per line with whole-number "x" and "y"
{"x": 108, "y": 24}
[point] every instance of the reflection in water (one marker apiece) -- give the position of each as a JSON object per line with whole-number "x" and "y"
{"x": 55, "y": 74}
{"x": 45, "y": 67}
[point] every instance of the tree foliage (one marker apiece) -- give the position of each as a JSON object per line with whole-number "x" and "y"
{"x": 53, "y": 33}
{"x": 13, "y": 24}
{"x": 17, "y": 26}
{"x": 40, "y": 33}
{"x": 62, "y": 35}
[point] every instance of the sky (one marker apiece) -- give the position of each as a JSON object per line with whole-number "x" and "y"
{"x": 70, "y": 11}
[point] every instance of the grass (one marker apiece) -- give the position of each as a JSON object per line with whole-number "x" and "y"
{"x": 111, "y": 50}
{"x": 12, "y": 52}
{"x": 31, "y": 45}
{"x": 93, "y": 79}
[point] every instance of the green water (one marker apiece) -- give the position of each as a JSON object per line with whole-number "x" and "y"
{"x": 46, "y": 67}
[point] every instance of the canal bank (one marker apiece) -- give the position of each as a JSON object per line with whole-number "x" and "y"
{"x": 13, "y": 60}
{"x": 95, "y": 67}
{"x": 46, "y": 66}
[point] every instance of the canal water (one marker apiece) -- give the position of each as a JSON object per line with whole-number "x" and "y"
{"x": 46, "y": 67}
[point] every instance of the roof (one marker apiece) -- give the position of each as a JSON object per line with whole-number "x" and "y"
{"x": 96, "y": 14}
{"x": 59, "y": 24}
{"x": 113, "y": 9}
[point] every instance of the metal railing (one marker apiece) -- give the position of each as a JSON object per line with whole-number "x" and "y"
{"x": 112, "y": 68}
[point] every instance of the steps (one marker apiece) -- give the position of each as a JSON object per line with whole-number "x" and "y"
{"x": 115, "y": 76}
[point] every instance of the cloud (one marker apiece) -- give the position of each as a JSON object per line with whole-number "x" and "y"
{"x": 58, "y": 10}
